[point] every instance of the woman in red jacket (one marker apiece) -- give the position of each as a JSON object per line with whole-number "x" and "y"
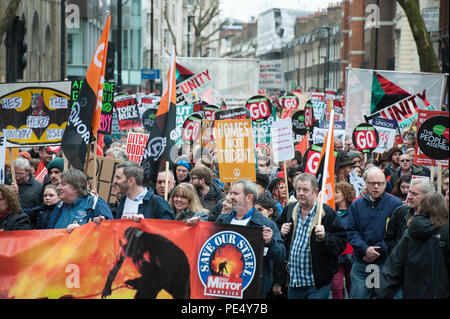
{"x": 345, "y": 194}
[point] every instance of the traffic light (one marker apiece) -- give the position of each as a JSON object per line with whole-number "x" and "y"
{"x": 21, "y": 48}
{"x": 109, "y": 68}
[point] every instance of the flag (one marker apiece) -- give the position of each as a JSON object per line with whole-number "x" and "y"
{"x": 161, "y": 140}
{"x": 303, "y": 145}
{"x": 384, "y": 93}
{"x": 84, "y": 118}
{"x": 325, "y": 171}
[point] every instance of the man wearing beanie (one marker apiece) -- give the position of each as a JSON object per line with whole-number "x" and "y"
{"x": 55, "y": 169}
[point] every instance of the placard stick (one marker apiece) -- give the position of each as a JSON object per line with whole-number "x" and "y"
{"x": 94, "y": 178}
{"x": 259, "y": 133}
{"x": 439, "y": 177}
{"x": 286, "y": 181}
{"x": 11, "y": 162}
{"x": 166, "y": 188}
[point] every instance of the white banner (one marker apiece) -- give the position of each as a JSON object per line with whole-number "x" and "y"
{"x": 425, "y": 89}
{"x": 215, "y": 81}
{"x": 282, "y": 140}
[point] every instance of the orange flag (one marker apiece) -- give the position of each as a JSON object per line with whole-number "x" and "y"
{"x": 95, "y": 75}
{"x": 326, "y": 168}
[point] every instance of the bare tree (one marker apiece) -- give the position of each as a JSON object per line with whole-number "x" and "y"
{"x": 8, "y": 16}
{"x": 204, "y": 11}
{"x": 427, "y": 57}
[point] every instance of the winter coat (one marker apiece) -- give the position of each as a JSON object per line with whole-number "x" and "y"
{"x": 210, "y": 200}
{"x": 397, "y": 225}
{"x": 40, "y": 215}
{"x": 324, "y": 253}
{"x": 13, "y": 221}
{"x": 153, "y": 206}
{"x": 276, "y": 251}
{"x": 95, "y": 206}
{"x": 187, "y": 214}
{"x": 417, "y": 170}
{"x": 418, "y": 263}
{"x": 366, "y": 224}
{"x": 30, "y": 193}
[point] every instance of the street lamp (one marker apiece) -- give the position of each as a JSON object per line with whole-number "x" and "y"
{"x": 327, "y": 68}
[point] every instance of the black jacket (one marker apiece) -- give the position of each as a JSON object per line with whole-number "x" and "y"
{"x": 30, "y": 193}
{"x": 209, "y": 201}
{"x": 397, "y": 226}
{"x": 19, "y": 221}
{"x": 419, "y": 262}
{"x": 40, "y": 215}
{"x": 324, "y": 253}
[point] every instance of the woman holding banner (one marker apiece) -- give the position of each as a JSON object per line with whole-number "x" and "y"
{"x": 11, "y": 216}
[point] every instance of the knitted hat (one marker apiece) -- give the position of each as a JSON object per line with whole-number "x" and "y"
{"x": 26, "y": 155}
{"x": 183, "y": 163}
{"x": 57, "y": 162}
{"x": 107, "y": 140}
{"x": 353, "y": 154}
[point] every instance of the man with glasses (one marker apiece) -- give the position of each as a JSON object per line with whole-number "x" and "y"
{"x": 366, "y": 227}
{"x": 29, "y": 190}
{"x": 407, "y": 167}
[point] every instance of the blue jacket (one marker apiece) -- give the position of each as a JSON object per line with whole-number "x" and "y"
{"x": 95, "y": 206}
{"x": 366, "y": 224}
{"x": 162, "y": 209}
{"x": 276, "y": 251}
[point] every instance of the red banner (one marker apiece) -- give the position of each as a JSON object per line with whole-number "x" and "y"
{"x": 125, "y": 259}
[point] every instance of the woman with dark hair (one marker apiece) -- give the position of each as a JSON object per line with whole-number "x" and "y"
{"x": 11, "y": 216}
{"x": 401, "y": 187}
{"x": 344, "y": 196}
{"x": 278, "y": 189}
{"x": 419, "y": 261}
{"x": 267, "y": 207}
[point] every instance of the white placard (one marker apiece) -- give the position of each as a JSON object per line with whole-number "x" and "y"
{"x": 282, "y": 140}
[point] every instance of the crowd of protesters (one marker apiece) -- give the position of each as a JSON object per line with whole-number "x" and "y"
{"x": 387, "y": 219}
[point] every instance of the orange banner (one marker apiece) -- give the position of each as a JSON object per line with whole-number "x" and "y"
{"x": 125, "y": 259}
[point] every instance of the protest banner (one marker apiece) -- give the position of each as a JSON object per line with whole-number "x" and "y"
{"x": 320, "y": 131}
{"x": 120, "y": 259}
{"x": 271, "y": 76}
{"x": 387, "y": 130}
{"x": 365, "y": 137}
{"x": 213, "y": 80}
{"x": 311, "y": 159}
{"x": 182, "y": 112}
{"x": 289, "y": 101}
{"x": 262, "y": 130}
{"x": 147, "y": 101}
{"x": 399, "y": 94}
{"x": 235, "y": 114}
{"x": 282, "y": 140}
{"x": 432, "y": 144}
{"x": 103, "y": 178}
{"x": 107, "y": 109}
{"x": 127, "y": 111}
{"x": 34, "y": 113}
{"x": 192, "y": 128}
{"x": 136, "y": 143}
{"x": 235, "y": 150}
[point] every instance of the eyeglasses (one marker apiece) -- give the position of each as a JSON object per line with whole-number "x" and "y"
{"x": 195, "y": 177}
{"x": 179, "y": 197}
{"x": 376, "y": 183}
{"x": 405, "y": 160}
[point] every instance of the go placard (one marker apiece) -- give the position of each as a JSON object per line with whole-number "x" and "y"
{"x": 259, "y": 107}
{"x": 309, "y": 115}
{"x": 289, "y": 101}
{"x": 365, "y": 138}
{"x": 311, "y": 158}
{"x": 192, "y": 127}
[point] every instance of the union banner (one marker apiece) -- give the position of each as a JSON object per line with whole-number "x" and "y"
{"x": 122, "y": 259}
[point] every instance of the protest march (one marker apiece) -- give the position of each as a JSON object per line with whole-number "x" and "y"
{"x": 215, "y": 189}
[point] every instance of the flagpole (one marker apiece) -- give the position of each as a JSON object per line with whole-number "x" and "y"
{"x": 325, "y": 170}
{"x": 286, "y": 181}
{"x": 166, "y": 188}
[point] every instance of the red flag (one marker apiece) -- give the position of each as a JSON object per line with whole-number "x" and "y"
{"x": 303, "y": 145}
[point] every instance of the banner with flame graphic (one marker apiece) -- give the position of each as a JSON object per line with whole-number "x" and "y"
{"x": 122, "y": 259}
